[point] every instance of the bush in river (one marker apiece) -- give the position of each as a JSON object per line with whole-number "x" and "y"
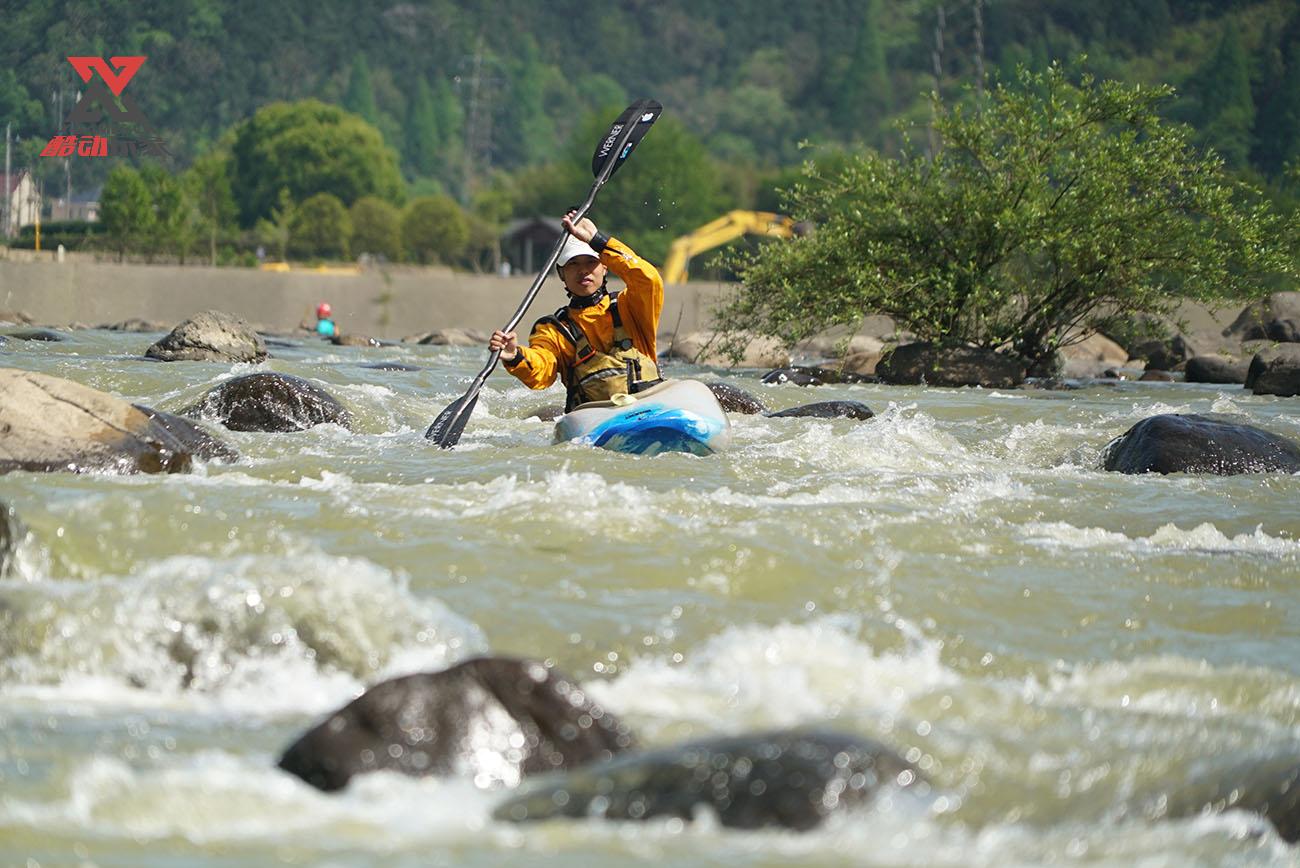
{"x": 1050, "y": 207}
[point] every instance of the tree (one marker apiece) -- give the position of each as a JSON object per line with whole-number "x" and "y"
{"x": 307, "y": 148}
{"x": 1225, "y": 110}
{"x": 126, "y": 209}
{"x": 320, "y": 227}
{"x": 376, "y": 228}
{"x": 421, "y": 132}
{"x": 1278, "y": 128}
{"x": 865, "y": 93}
{"x": 172, "y": 227}
{"x": 208, "y": 183}
{"x": 1057, "y": 208}
{"x": 434, "y": 229}
{"x": 360, "y": 98}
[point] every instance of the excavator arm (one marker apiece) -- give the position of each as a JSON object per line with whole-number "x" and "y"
{"x": 727, "y": 227}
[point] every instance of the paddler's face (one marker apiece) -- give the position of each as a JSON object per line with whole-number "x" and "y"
{"x": 583, "y": 276}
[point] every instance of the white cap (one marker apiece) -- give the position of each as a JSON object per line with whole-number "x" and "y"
{"x": 572, "y": 249}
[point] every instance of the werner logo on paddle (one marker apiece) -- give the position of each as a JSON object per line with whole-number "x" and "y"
{"x": 88, "y": 129}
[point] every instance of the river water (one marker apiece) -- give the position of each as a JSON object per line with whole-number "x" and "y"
{"x": 1057, "y": 647}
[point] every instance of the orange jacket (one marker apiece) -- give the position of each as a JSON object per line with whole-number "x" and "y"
{"x": 549, "y": 353}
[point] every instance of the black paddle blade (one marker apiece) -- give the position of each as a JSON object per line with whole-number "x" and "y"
{"x": 450, "y": 424}
{"x": 643, "y": 112}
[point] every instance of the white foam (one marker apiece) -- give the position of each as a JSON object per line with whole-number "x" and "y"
{"x": 1204, "y": 537}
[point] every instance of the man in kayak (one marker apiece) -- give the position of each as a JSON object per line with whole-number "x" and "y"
{"x": 600, "y": 345}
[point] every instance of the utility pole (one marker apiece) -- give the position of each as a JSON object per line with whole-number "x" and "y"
{"x": 4, "y": 214}
{"x": 478, "y": 126}
{"x": 977, "y": 8}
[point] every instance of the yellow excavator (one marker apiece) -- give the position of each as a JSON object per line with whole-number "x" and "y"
{"x": 729, "y": 226}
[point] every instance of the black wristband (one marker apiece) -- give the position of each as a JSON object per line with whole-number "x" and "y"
{"x": 519, "y": 357}
{"x": 598, "y": 241}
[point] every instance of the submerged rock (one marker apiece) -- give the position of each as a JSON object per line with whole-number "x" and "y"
{"x": 270, "y": 402}
{"x": 914, "y": 364}
{"x": 736, "y": 400}
{"x": 1275, "y": 371}
{"x": 51, "y": 424}
{"x": 1188, "y": 443}
{"x": 42, "y": 335}
{"x": 829, "y": 410}
{"x": 196, "y": 439}
{"x": 491, "y": 719}
{"x": 391, "y": 366}
{"x": 788, "y": 779}
{"x": 211, "y": 336}
{"x": 547, "y": 413}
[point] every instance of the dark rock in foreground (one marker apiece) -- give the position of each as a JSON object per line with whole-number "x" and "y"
{"x": 490, "y": 719}
{"x": 1188, "y": 443}
{"x": 829, "y": 410}
{"x": 1275, "y": 371}
{"x": 735, "y": 400}
{"x": 924, "y": 363}
{"x": 787, "y": 779}
{"x": 211, "y": 336}
{"x": 198, "y": 441}
{"x": 270, "y": 402}
{"x": 51, "y": 424}
{"x": 1216, "y": 369}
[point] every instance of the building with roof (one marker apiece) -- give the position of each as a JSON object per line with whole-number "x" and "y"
{"x": 21, "y": 203}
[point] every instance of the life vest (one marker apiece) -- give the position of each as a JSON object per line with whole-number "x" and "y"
{"x": 598, "y": 376}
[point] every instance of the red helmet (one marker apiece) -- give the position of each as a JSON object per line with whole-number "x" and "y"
{"x": 323, "y": 310}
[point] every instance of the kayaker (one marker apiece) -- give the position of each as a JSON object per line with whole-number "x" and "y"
{"x": 324, "y": 320}
{"x": 600, "y": 345}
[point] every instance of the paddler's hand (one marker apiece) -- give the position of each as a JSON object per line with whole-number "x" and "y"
{"x": 507, "y": 343}
{"x": 583, "y": 230}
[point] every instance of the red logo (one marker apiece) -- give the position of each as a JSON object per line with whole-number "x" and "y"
{"x": 127, "y": 67}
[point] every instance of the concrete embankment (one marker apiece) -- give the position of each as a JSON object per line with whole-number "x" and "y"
{"x": 380, "y": 302}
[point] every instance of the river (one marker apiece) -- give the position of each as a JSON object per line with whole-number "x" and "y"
{"x": 1052, "y": 644}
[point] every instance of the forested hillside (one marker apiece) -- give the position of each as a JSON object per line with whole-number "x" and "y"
{"x": 464, "y": 92}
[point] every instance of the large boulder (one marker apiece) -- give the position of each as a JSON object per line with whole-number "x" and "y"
{"x": 1275, "y": 371}
{"x": 491, "y": 719}
{"x": 828, "y": 410}
{"x": 862, "y": 364}
{"x": 39, "y": 335}
{"x": 270, "y": 401}
{"x": 197, "y": 440}
{"x": 735, "y": 400}
{"x": 788, "y": 779}
{"x": 1276, "y": 318}
{"x": 914, "y": 364}
{"x": 830, "y": 346}
{"x": 51, "y": 424}
{"x": 1188, "y": 443}
{"x": 1216, "y": 369}
{"x": 211, "y": 336}
{"x": 705, "y": 348}
{"x": 1091, "y": 356}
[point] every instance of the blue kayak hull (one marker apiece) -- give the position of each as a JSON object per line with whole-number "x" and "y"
{"x": 676, "y": 416}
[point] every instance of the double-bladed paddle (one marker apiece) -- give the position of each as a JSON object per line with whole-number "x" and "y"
{"x": 613, "y": 150}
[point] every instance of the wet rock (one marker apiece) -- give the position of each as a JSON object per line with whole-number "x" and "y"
{"x": 1275, "y": 371}
{"x": 1164, "y": 355}
{"x": 705, "y": 348}
{"x": 914, "y": 364}
{"x": 1216, "y": 369}
{"x": 792, "y": 376}
{"x": 492, "y": 719}
{"x": 270, "y": 402}
{"x": 51, "y": 424}
{"x": 1268, "y": 786}
{"x": 1188, "y": 443}
{"x": 1154, "y": 375}
{"x": 198, "y": 441}
{"x": 450, "y": 338}
{"x": 1050, "y": 384}
{"x": 391, "y": 366}
{"x": 1114, "y": 374}
{"x": 354, "y": 341}
{"x": 828, "y": 410}
{"x": 811, "y": 375}
{"x": 548, "y": 413}
{"x": 1276, "y": 318}
{"x": 211, "y": 336}
{"x": 788, "y": 779}
{"x": 45, "y": 335}
{"x": 735, "y": 400}
{"x": 136, "y": 325}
